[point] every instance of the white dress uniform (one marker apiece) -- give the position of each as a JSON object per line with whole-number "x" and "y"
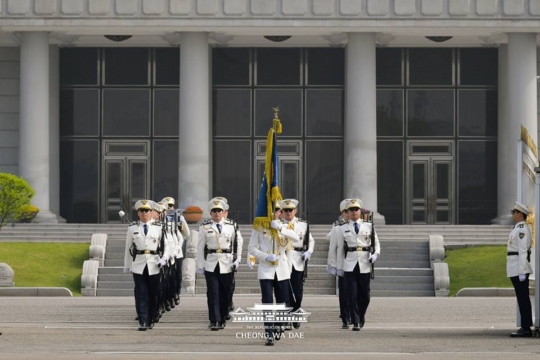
{"x": 332, "y": 246}
{"x": 150, "y": 243}
{"x": 261, "y": 245}
{"x": 346, "y": 234}
{"x": 299, "y": 227}
{"x": 220, "y": 246}
{"x": 519, "y": 242}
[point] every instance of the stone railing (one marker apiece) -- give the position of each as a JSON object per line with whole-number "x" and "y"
{"x": 89, "y": 278}
{"x": 98, "y": 245}
{"x": 281, "y": 9}
{"x": 441, "y": 274}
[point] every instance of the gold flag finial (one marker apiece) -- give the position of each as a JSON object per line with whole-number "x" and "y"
{"x": 276, "y": 123}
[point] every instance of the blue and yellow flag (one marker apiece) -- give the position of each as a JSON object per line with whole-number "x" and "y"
{"x": 269, "y": 193}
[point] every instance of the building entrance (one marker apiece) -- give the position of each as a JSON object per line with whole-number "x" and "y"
{"x": 126, "y": 177}
{"x": 430, "y": 183}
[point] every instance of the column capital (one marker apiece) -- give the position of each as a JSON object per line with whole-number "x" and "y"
{"x": 383, "y": 39}
{"x": 221, "y": 39}
{"x": 336, "y": 39}
{"x": 172, "y": 38}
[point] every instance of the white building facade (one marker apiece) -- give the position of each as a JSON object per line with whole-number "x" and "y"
{"x": 415, "y": 106}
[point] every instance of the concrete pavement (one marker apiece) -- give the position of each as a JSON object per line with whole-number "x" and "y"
{"x": 104, "y": 328}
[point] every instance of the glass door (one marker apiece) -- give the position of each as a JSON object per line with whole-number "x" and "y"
{"x": 126, "y": 179}
{"x": 430, "y": 184}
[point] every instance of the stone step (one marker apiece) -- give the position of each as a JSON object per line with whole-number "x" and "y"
{"x": 402, "y": 264}
{"x": 257, "y": 290}
{"x": 402, "y": 293}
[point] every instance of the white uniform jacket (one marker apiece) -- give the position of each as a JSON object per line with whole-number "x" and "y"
{"x": 332, "y": 247}
{"x": 346, "y": 234}
{"x": 150, "y": 242}
{"x": 210, "y": 237}
{"x": 520, "y": 241}
{"x": 299, "y": 227}
{"x": 261, "y": 245}
{"x": 182, "y": 235}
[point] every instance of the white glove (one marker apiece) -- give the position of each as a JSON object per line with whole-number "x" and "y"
{"x": 522, "y": 277}
{"x": 275, "y": 225}
{"x": 162, "y": 262}
{"x": 306, "y": 256}
{"x": 127, "y": 271}
{"x": 373, "y": 257}
{"x": 333, "y": 271}
{"x": 340, "y": 273}
{"x": 181, "y": 219}
{"x": 272, "y": 257}
{"x": 200, "y": 271}
{"x": 328, "y": 269}
{"x": 236, "y": 264}
{"x": 249, "y": 264}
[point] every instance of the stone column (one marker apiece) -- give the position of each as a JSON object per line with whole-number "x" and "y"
{"x": 521, "y": 110}
{"x": 34, "y": 120}
{"x": 360, "y": 138}
{"x": 195, "y": 136}
{"x": 54, "y": 131}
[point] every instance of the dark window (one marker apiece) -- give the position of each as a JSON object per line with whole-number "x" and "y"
{"x": 168, "y": 66}
{"x": 478, "y": 112}
{"x": 430, "y": 66}
{"x": 324, "y": 112}
{"x": 326, "y": 66}
{"x": 126, "y": 112}
{"x": 278, "y": 66}
{"x": 290, "y": 111}
{"x": 431, "y": 113}
{"x": 79, "y": 66}
{"x": 232, "y": 112}
{"x": 79, "y": 176}
{"x": 230, "y": 66}
{"x": 389, "y": 113}
{"x": 477, "y": 182}
{"x": 478, "y": 66}
{"x": 232, "y": 177}
{"x": 324, "y": 180}
{"x": 389, "y": 66}
{"x": 166, "y": 112}
{"x": 390, "y": 181}
{"x": 126, "y": 66}
{"x": 79, "y": 112}
{"x": 165, "y": 169}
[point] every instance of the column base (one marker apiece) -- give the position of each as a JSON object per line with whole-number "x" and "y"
{"x": 45, "y": 216}
{"x": 379, "y": 219}
{"x": 503, "y": 220}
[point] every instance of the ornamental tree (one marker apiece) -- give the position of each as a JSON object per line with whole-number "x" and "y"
{"x": 15, "y": 196}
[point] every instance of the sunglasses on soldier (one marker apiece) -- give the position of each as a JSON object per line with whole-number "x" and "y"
{"x": 216, "y": 210}
{"x": 144, "y": 210}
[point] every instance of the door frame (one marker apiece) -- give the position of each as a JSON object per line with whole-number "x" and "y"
{"x": 126, "y": 153}
{"x": 444, "y": 154}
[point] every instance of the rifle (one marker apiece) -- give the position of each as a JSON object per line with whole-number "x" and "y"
{"x": 132, "y": 248}
{"x": 372, "y": 246}
{"x": 235, "y": 256}
{"x": 306, "y": 246}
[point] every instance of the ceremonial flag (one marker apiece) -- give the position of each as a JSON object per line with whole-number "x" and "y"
{"x": 269, "y": 192}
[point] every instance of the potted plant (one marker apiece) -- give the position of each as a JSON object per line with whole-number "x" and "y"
{"x": 192, "y": 214}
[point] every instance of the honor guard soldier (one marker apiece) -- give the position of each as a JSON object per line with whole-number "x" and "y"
{"x": 236, "y": 249}
{"x": 180, "y": 230}
{"x": 518, "y": 267}
{"x": 344, "y": 313}
{"x": 354, "y": 259}
{"x": 214, "y": 260}
{"x": 275, "y": 265}
{"x": 300, "y": 253}
{"x": 149, "y": 252}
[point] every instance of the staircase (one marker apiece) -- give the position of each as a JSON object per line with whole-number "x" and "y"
{"x": 402, "y": 270}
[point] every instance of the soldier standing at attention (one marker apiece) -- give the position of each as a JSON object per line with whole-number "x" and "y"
{"x": 518, "y": 267}
{"x": 215, "y": 262}
{"x": 146, "y": 239}
{"x": 274, "y": 265}
{"x": 299, "y": 254}
{"x": 344, "y": 313}
{"x": 354, "y": 259}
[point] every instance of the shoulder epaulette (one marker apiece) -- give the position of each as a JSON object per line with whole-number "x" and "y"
{"x": 302, "y": 221}
{"x": 520, "y": 226}
{"x": 339, "y": 222}
{"x": 134, "y": 223}
{"x": 206, "y": 222}
{"x": 229, "y": 221}
{"x": 157, "y": 223}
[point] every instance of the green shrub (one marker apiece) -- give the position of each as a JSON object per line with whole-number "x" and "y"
{"x": 15, "y": 194}
{"x": 27, "y": 213}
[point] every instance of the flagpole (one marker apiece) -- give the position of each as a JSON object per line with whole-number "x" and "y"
{"x": 275, "y": 123}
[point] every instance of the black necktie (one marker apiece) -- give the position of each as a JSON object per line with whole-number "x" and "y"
{"x": 356, "y": 228}
{"x": 219, "y": 228}
{"x": 145, "y": 227}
